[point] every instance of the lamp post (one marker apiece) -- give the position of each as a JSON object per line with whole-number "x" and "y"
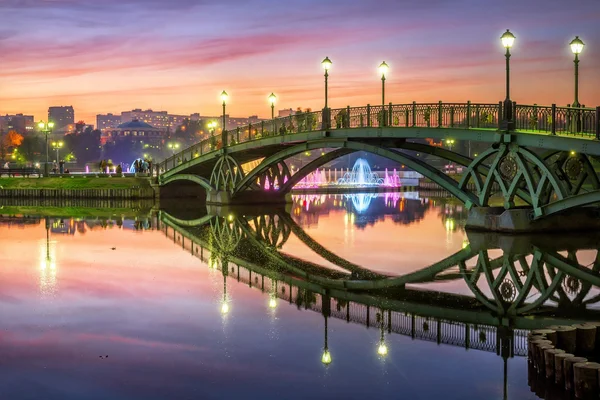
{"x": 326, "y": 63}
{"x": 57, "y": 146}
{"x": 272, "y": 99}
{"x": 383, "y": 69}
{"x": 576, "y": 47}
{"x": 224, "y": 97}
{"x": 507, "y": 41}
{"x": 46, "y": 128}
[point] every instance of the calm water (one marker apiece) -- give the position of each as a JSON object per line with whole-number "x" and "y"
{"x": 246, "y": 306}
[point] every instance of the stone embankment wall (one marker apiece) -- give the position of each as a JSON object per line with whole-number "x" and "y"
{"x": 564, "y": 357}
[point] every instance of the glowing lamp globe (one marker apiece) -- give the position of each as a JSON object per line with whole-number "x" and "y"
{"x": 50, "y": 125}
{"x": 224, "y": 96}
{"x": 326, "y": 63}
{"x": 272, "y": 98}
{"x": 383, "y": 69}
{"x": 576, "y": 45}
{"x": 507, "y": 39}
{"x": 41, "y": 125}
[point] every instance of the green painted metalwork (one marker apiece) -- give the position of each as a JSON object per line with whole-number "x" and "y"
{"x": 411, "y": 162}
{"x": 226, "y": 174}
{"x": 187, "y": 177}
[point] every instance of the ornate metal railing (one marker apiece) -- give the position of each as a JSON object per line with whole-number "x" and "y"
{"x": 553, "y": 120}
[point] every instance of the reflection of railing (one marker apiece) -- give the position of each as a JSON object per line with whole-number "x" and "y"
{"x": 442, "y": 331}
{"x": 539, "y": 119}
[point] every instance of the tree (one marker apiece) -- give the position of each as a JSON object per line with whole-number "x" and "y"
{"x": 32, "y": 147}
{"x": 11, "y": 140}
{"x": 79, "y": 126}
{"x": 86, "y": 146}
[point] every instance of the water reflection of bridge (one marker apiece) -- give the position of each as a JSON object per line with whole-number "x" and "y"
{"x": 525, "y": 281}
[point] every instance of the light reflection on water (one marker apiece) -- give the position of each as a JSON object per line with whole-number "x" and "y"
{"x": 178, "y": 319}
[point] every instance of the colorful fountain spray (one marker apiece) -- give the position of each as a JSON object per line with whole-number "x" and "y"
{"x": 360, "y": 176}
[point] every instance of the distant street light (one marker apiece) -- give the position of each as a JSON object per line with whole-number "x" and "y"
{"x": 576, "y": 47}
{"x": 46, "y": 128}
{"x": 272, "y": 99}
{"x": 507, "y": 41}
{"x": 57, "y": 146}
{"x": 212, "y": 126}
{"x": 224, "y": 97}
{"x": 173, "y": 147}
{"x": 450, "y": 143}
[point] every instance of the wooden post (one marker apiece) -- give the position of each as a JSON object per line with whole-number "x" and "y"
{"x": 536, "y": 344}
{"x": 549, "y": 357}
{"x": 567, "y": 338}
{"x": 559, "y": 367}
{"x": 530, "y": 339}
{"x": 568, "y": 371}
{"x": 550, "y": 334}
{"x": 586, "y": 339}
{"x": 585, "y": 377}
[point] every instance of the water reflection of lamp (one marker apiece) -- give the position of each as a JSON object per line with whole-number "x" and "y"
{"x": 326, "y": 357}
{"x": 382, "y": 349}
{"x": 273, "y": 296}
{"x": 325, "y": 306}
{"x": 224, "y": 303}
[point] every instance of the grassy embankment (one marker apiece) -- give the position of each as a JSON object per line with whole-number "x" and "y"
{"x": 74, "y": 183}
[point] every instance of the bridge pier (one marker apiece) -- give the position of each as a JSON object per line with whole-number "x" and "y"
{"x": 254, "y": 197}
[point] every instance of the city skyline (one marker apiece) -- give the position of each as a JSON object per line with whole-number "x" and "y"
{"x": 132, "y": 54}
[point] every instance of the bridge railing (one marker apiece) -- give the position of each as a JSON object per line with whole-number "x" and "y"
{"x": 579, "y": 121}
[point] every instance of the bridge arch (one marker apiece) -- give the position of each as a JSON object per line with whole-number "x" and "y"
{"x": 187, "y": 177}
{"x": 411, "y": 162}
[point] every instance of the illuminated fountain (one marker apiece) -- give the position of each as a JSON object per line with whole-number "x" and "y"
{"x": 360, "y": 176}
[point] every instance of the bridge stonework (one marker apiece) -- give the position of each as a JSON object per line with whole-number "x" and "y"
{"x": 544, "y": 168}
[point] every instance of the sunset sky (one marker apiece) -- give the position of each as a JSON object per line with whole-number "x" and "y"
{"x": 177, "y": 55}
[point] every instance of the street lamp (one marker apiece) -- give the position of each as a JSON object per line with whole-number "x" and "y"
{"x": 173, "y": 147}
{"x": 450, "y": 143}
{"x": 46, "y": 128}
{"x": 272, "y": 99}
{"x": 576, "y": 47}
{"x": 224, "y": 303}
{"x": 224, "y": 97}
{"x": 507, "y": 41}
{"x": 383, "y": 69}
{"x": 57, "y": 146}
{"x": 326, "y": 63}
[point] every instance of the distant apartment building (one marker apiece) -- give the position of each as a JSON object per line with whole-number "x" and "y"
{"x": 285, "y": 113}
{"x": 158, "y": 119}
{"x": 107, "y": 121}
{"x": 61, "y": 116}
{"x": 20, "y": 123}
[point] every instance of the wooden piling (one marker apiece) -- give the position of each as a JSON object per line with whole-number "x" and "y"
{"x": 559, "y": 367}
{"x": 585, "y": 377}
{"x": 567, "y": 338}
{"x": 568, "y": 371}
{"x": 586, "y": 339}
{"x": 549, "y": 357}
{"x": 549, "y": 333}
